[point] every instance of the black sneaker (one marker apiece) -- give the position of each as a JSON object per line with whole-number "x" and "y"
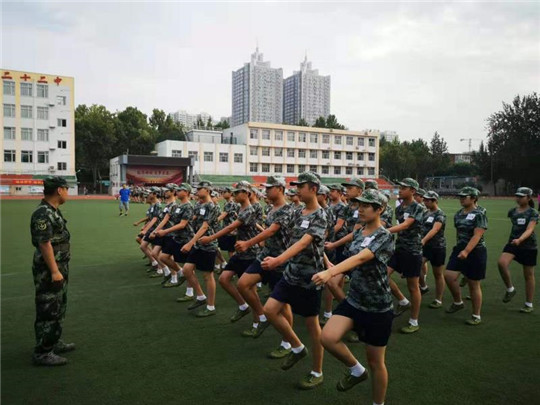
{"x": 166, "y": 278}
{"x": 196, "y": 304}
{"x": 49, "y": 359}
{"x": 424, "y": 290}
{"x": 293, "y": 358}
{"x": 401, "y": 308}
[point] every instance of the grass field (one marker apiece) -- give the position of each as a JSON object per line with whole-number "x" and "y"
{"x": 136, "y": 345}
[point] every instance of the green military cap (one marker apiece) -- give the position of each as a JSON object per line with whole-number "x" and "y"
{"x": 372, "y": 196}
{"x": 421, "y": 192}
{"x": 431, "y": 195}
{"x": 356, "y": 182}
{"x": 371, "y": 184}
{"x": 306, "y": 177}
{"x": 468, "y": 191}
{"x": 387, "y": 193}
{"x": 205, "y": 184}
{"x": 227, "y": 189}
{"x": 273, "y": 181}
{"x": 335, "y": 187}
{"x": 241, "y": 187}
{"x": 524, "y": 192}
{"x": 323, "y": 190}
{"x": 155, "y": 189}
{"x": 408, "y": 182}
{"x": 55, "y": 182}
{"x": 214, "y": 194}
{"x": 291, "y": 192}
{"x": 171, "y": 186}
{"x": 184, "y": 187}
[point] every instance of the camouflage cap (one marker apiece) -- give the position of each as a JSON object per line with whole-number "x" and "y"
{"x": 323, "y": 190}
{"x": 409, "y": 182}
{"x": 241, "y": 187}
{"x": 306, "y": 177}
{"x": 55, "y": 182}
{"x": 155, "y": 189}
{"x": 335, "y": 187}
{"x": 291, "y": 192}
{"x": 171, "y": 186}
{"x": 273, "y": 181}
{"x": 387, "y": 193}
{"x": 468, "y": 191}
{"x": 421, "y": 192}
{"x": 205, "y": 184}
{"x": 243, "y": 183}
{"x": 371, "y": 184}
{"x": 372, "y": 196}
{"x": 184, "y": 187}
{"x": 524, "y": 192}
{"x": 227, "y": 190}
{"x": 356, "y": 182}
{"x": 431, "y": 195}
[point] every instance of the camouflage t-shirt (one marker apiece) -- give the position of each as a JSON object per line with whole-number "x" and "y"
{"x": 48, "y": 224}
{"x": 339, "y": 213}
{"x": 247, "y": 231}
{"x": 331, "y": 223}
{"x": 267, "y": 209}
{"x": 369, "y": 287}
{"x": 278, "y": 242}
{"x": 155, "y": 212}
{"x": 181, "y": 212}
{"x": 351, "y": 216}
{"x": 410, "y": 239}
{"x": 231, "y": 208}
{"x": 466, "y": 223}
{"x": 206, "y": 213}
{"x": 309, "y": 261}
{"x": 520, "y": 222}
{"x": 388, "y": 216}
{"x": 257, "y": 207}
{"x": 438, "y": 240}
{"x": 167, "y": 209}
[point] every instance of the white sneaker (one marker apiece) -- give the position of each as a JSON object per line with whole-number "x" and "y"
{"x": 223, "y": 265}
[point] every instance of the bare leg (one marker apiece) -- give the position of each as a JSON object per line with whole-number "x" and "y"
{"x": 189, "y": 274}
{"x": 246, "y": 287}
{"x": 225, "y": 280}
{"x": 273, "y": 311}
{"x": 332, "y": 336}
{"x": 503, "y": 264}
{"x": 423, "y": 274}
{"x": 210, "y": 287}
{"x": 528, "y": 272}
{"x": 314, "y": 329}
{"x": 379, "y": 382}
{"x": 438, "y": 272}
{"x": 396, "y": 292}
{"x": 451, "y": 278}
{"x": 476, "y": 296}
{"x": 416, "y": 297}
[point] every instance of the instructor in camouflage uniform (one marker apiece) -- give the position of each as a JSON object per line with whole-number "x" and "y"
{"x": 50, "y": 268}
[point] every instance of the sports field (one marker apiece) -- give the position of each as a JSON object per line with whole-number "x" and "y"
{"x": 136, "y": 345}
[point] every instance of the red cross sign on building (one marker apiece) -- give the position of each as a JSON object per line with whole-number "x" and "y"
{"x": 25, "y": 77}
{"x": 57, "y": 81}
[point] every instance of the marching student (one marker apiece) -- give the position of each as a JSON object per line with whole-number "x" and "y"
{"x": 338, "y": 208}
{"x": 227, "y": 217}
{"x": 521, "y": 247}
{"x": 153, "y": 216}
{"x": 387, "y": 217}
{"x": 367, "y": 308}
{"x": 295, "y": 199}
{"x": 469, "y": 256}
{"x": 304, "y": 257}
{"x": 419, "y": 198}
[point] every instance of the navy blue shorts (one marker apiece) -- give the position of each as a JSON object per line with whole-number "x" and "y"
{"x": 270, "y": 277}
{"x": 227, "y": 242}
{"x": 436, "y": 256}
{"x": 172, "y": 247}
{"x": 525, "y": 257}
{"x": 157, "y": 241}
{"x": 203, "y": 260}
{"x": 406, "y": 263}
{"x": 373, "y": 328}
{"x": 238, "y": 265}
{"x": 473, "y": 267}
{"x": 305, "y": 302}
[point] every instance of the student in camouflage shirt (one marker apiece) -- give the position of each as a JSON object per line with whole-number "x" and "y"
{"x": 338, "y": 209}
{"x": 521, "y": 247}
{"x": 387, "y": 217}
{"x": 419, "y": 198}
{"x": 368, "y": 307}
{"x": 407, "y": 258}
{"x": 304, "y": 258}
{"x": 50, "y": 268}
{"x": 227, "y": 217}
{"x": 469, "y": 256}
{"x": 153, "y": 220}
{"x": 434, "y": 246}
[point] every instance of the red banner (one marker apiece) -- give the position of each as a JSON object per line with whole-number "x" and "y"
{"x": 140, "y": 175}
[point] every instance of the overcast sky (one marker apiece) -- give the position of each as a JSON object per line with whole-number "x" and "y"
{"x": 414, "y": 68}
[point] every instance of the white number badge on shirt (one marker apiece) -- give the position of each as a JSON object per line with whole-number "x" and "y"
{"x": 177, "y": 211}
{"x": 521, "y": 221}
{"x": 305, "y": 224}
{"x": 405, "y": 215}
{"x": 367, "y": 241}
{"x": 202, "y": 211}
{"x": 429, "y": 220}
{"x": 470, "y": 217}
{"x": 355, "y": 214}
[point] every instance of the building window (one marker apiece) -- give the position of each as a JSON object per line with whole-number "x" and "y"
{"x": 9, "y": 110}
{"x": 61, "y": 166}
{"x": 253, "y": 167}
{"x": 253, "y": 134}
{"x": 26, "y": 89}
{"x": 313, "y": 138}
{"x": 9, "y": 132}
{"x": 238, "y": 158}
{"x": 349, "y": 140}
{"x": 326, "y": 138}
{"x": 348, "y": 155}
{"x": 43, "y": 157}
{"x": 290, "y": 153}
{"x": 9, "y": 155}
{"x": 371, "y": 157}
{"x": 337, "y": 155}
{"x": 278, "y": 168}
{"x": 62, "y": 144}
{"x": 43, "y": 113}
{"x": 313, "y": 154}
{"x": 265, "y": 152}
{"x": 43, "y": 135}
{"x": 223, "y": 157}
{"x": 290, "y": 136}
{"x": 301, "y": 168}
{"x": 9, "y": 88}
{"x": 325, "y": 170}
{"x": 26, "y": 111}
{"x": 61, "y": 100}
{"x": 313, "y": 169}
{"x": 348, "y": 170}
{"x": 194, "y": 154}
{"x": 360, "y": 171}
{"x": 301, "y": 153}
{"x": 266, "y": 134}
{"x": 208, "y": 156}
{"x": 176, "y": 153}
{"x": 360, "y": 156}
{"x": 302, "y": 137}
{"x": 61, "y": 122}
{"x": 278, "y": 135}
{"x": 337, "y": 139}
{"x": 27, "y": 156}
{"x": 371, "y": 141}
{"x": 360, "y": 141}
{"x": 43, "y": 90}
{"x": 26, "y": 134}
{"x": 290, "y": 168}
{"x": 326, "y": 154}
{"x": 253, "y": 151}
{"x": 371, "y": 171}
{"x": 337, "y": 170}
{"x": 278, "y": 152}
{"x": 265, "y": 168}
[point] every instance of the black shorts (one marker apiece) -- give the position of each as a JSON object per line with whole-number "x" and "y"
{"x": 406, "y": 263}
{"x": 303, "y": 301}
{"x": 525, "y": 257}
{"x": 157, "y": 241}
{"x": 339, "y": 257}
{"x": 270, "y": 277}
{"x": 172, "y": 247}
{"x": 436, "y": 256}
{"x": 473, "y": 267}
{"x": 203, "y": 260}
{"x": 373, "y": 328}
{"x": 238, "y": 265}
{"x": 227, "y": 242}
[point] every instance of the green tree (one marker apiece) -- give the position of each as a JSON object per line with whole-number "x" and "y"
{"x": 165, "y": 127}
{"x": 332, "y": 122}
{"x": 134, "y": 133}
{"x": 223, "y": 124}
{"x": 199, "y": 123}
{"x": 209, "y": 123}
{"x": 320, "y": 123}
{"x": 440, "y": 159}
{"x": 302, "y": 123}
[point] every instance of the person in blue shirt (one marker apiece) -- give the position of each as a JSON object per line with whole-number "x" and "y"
{"x": 124, "y": 192}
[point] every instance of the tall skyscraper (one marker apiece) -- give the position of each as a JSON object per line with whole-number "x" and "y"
{"x": 257, "y": 92}
{"x": 306, "y": 94}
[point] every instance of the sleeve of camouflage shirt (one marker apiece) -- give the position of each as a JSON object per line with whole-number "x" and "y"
{"x": 42, "y": 227}
{"x": 317, "y": 227}
{"x": 417, "y": 213}
{"x": 480, "y": 220}
{"x": 440, "y": 216}
{"x": 381, "y": 245}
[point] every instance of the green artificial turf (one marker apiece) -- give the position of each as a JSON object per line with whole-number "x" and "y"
{"x": 136, "y": 345}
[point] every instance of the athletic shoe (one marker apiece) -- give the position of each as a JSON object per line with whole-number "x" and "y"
{"x": 166, "y": 278}
{"x": 310, "y": 381}
{"x": 347, "y": 279}
{"x": 196, "y": 304}
{"x": 61, "y": 347}
{"x": 435, "y": 304}
{"x": 463, "y": 282}
{"x": 185, "y": 298}
{"x": 509, "y": 295}
{"x": 170, "y": 284}
{"x": 120, "y": 215}
{"x": 279, "y": 353}
{"x": 352, "y": 337}
{"x": 249, "y": 332}
{"x": 349, "y": 381}
{"x": 410, "y": 329}
{"x": 473, "y": 321}
{"x": 424, "y": 290}
{"x": 181, "y": 280}
{"x": 293, "y": 358}
{"x": 323, "y": 320}
{"x": 239, "y": 314}
{"x": 401, "y": 308}
{"x": 261, "y": 328}
{"x": 155, "y": 275}
{"x": 48, "y": 359}
{"x": 205, "y": 312}
{"x": 526, "y": 309}
{"x": 468, "y": 298}
{"x": 125, "y": 214}
{"x": 454, "y": 308}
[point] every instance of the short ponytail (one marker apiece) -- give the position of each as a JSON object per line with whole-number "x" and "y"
{"x": 531, "y": 202}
